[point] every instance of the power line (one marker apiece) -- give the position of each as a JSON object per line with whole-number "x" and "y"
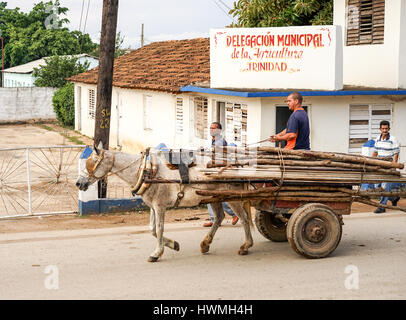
{"x": 81, "y": 14}
{"x": 88, "y": 5}
{"x": 215, "y": 2}
{"x": 224, "y": 4}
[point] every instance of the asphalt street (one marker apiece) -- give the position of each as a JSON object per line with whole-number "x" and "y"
{"x": 369, "y": 263}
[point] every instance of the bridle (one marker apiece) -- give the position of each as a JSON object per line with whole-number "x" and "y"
{"x": 99, "y": 160}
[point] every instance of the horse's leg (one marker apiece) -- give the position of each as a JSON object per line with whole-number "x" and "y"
{"x": 167, "y": 242}
{"x": 159, "y": 223}
{"x": 242, "y": 214}
{"x": 218, "y": 218}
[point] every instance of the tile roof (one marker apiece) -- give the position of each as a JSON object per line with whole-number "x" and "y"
{"x": 163, "y": 66}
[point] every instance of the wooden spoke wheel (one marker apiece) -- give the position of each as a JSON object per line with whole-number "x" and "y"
{"x": 270, "y": 227}
{"x": 314, "y": 230}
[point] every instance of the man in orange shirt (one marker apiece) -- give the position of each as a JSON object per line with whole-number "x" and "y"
{"x": 297, "y": 130}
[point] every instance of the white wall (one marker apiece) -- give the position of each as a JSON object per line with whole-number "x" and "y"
{"x": 375, "y": 65}
{"x": 329, "y": 120}
{"x": 21, "y": 104}
{"x": 402, "y": 45}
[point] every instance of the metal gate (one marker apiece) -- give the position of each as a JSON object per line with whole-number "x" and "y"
{"x": 39, "y": 180}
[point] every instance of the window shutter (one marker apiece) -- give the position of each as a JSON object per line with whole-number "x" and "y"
{"x": 179, "y": 116}
{"x": 365, "y": 22}
{"x": 364, "y": 123}
{"x": 201, "y": 122}
{"x": 236, "y": 123}
{"x": 92, "y": 104}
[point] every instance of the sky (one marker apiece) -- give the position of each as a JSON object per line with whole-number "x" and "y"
{"x": 162, "y": 19}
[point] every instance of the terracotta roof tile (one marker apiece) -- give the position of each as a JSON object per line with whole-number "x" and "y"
{"x": 163, "y": 66}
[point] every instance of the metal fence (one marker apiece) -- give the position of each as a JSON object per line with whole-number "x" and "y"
{"x": 38, "y": 180}
{"x": 41, "y": 180}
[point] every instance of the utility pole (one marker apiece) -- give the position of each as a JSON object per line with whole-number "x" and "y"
{"x": 105, "y": 79}
{"x": 142, "y": 35}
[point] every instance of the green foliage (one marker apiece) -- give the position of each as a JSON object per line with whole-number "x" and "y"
{"x": 56, "y": 70}
{"x": 118, "y": 50}
{"x": 64, "y": 104}
{"x": 39, "y": 33}
{"x": 278, "y": 13}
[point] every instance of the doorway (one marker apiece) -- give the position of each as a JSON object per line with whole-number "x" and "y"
{"x": 282, "y": 116}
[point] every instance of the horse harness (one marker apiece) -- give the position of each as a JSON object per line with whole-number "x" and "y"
{"x": 148, "y": 169}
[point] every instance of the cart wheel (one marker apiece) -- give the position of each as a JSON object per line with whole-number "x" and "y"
{"x": 314, "y": 230}
{"x": 270, "y": 227}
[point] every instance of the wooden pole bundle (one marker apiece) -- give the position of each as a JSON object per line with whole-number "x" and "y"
{"x": 312, "y": 174}
{"x": 307, "y": 154}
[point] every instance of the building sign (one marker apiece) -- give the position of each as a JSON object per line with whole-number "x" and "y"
{"x": 307, "y": 57}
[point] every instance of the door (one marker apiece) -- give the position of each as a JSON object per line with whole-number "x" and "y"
{"x": 282, "y": 116}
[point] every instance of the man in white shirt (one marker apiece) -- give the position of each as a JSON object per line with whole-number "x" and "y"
{"x": 387, "y": 147}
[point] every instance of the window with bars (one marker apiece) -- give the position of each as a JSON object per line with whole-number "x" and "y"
{"x": 92, "y": 104}
{"x": 364, "y": 123}
{"x": 201, "y": 122}
{"x": 179, "y": 116}
{"x": 236, "y": 123}
{"x": 365, "y": 22}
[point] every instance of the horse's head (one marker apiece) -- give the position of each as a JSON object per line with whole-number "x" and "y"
{"x": 98, "y": 165}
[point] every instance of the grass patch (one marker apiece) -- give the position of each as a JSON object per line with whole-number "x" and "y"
{"x": 73, "y": 139}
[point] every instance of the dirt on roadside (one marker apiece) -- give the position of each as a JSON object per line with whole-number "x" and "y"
{"x": 134, "y": 218}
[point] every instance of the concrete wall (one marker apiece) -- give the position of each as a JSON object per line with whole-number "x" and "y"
{"x": 375, "y": 65}
{"x": 21, "y": 104}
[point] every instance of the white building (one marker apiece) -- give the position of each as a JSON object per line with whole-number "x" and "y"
{"x": 162, "y": 92}
{"x": 21, "y": 76}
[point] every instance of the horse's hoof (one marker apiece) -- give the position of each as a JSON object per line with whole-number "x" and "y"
{"x": 176, "y": 246}
{"x": 243, "y": 252}
{"x": 204, "y": 248}
{"x": 152, "y": 259}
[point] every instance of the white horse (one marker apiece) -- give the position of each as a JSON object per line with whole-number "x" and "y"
{"x": 161, "y": 196}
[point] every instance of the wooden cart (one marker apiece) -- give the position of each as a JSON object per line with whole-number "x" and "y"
{"x": 313, "y": 229}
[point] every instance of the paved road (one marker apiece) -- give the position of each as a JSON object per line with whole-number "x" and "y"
{"x": 369, "y": 263}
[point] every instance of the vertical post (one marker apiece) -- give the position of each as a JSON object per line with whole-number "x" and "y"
{"x": 142, "y": 35}
{"x": 2, "y": 64}
{"x": 29, "y": 181}
{"x": 105, "y": 79}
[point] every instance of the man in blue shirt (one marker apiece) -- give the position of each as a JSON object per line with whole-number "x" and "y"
{"x": 218, "y": 140}
{"x": 297, "y": 132}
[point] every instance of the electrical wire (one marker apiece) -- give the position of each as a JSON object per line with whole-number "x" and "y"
{"x": 216, "y": 3}
{"x": 81, "y": 14}
{"x": 88, "y": 5}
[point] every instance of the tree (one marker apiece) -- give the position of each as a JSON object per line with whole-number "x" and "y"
{"x": 57, "y": 70}
{"x": 64, "y": 104}
{"x": 39, "y": 33}
{"x": 279, "y": 13}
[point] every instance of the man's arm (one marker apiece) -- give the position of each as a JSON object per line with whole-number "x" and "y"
{"x": 283, "y": 136}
